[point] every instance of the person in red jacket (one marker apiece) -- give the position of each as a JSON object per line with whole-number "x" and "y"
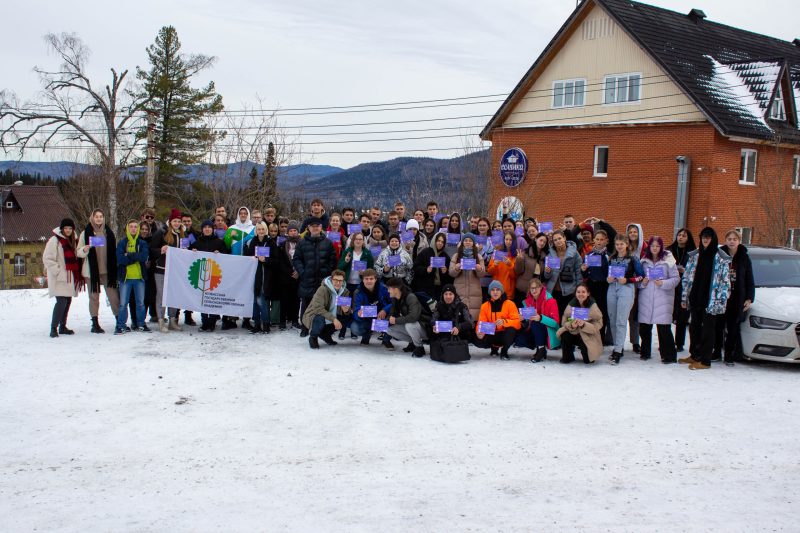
{"x": 503, "y": 313}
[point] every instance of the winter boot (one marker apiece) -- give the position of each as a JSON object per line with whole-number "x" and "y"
{"x": 504, "y": 354}
{"x": 64, "y": 330}
{"x": 313, "y": 342}
{"x": 256, "y": 329}
{"x": 96, "y": 326}
{"x": 173, "y": 325}
{"x": 303, "y": 332}
{"x": 162, "y": 326}
{"x": 265, "y": 327}
{"x": 53, "y": 333}
{"x": 687, "y": 360}
{"x": 327, "y": 335}
{"x": 410, "y": 348}
{"x": 387, "y": 343}
{"x": 540, "y": 355}
{"x": 419, "y": 351}
{"x": 698, "y": 366}
{"x": 187, "y": 319}
{"x": 494, "y": 351}
{"x": 246, "y": 324}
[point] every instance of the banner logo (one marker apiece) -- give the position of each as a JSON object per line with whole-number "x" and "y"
{"x": 205, "y": 275}
{"x": 513, "y": 167}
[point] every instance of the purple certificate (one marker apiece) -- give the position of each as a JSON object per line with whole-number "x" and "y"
{"x": 334, "y": 236}
{"x": 527, "y": 312}
{"x": 344, "y": 301}
{"x": 407, "y": 236}
{"x": 394, "y": 260}
{"x": 468, "y": 264}
{"x": 442, "y": 230}
{"x": 262, "y": 251}
{"x": 191, "y": 239}
{"x": 375, "y": 250}
{"x": 453, "y": 238}
{"x": 519, "y": 231}
{"x": 437, "y": 217}
{"x": 97, "y": 241}
{"x": 499, "y": 256}
{"x": 498, "y": 238}
{"x": 380, "y": 325}
{"x": 220, "y": 233}
{"x": 359, "y": 266}
{"x": 444, "y": 326}
{"x": 487, "y": 327}
{"x": 437, "y": 262}
{"x": 580, "y": 313}
{"x": 655, "y": 273}
{"x": 553, "y": 262}
{"x": 281, "y": 240}
{"x": 481, "y": 239}
{"x": 594, "y": 260}
{"x": 354, "y": 228}
{"x": 544, "y": 227}
{"x": 616, "y": 271}
{"x": 185, "y": 243}
{"x": 369, "y": 311}
{"x": 402, "y": 226}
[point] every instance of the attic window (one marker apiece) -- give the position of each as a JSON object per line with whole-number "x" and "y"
{"x": 9, "y": 205}
{"x": 778, "y": 109}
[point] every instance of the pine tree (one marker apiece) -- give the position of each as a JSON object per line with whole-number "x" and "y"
{"x": 181, "y": 137}
{"x": 270, "y": 179}
{"x": 253, "y": 180}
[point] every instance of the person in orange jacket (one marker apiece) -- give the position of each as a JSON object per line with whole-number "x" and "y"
{"x": 503, "y": 313}
{"x": 503, "y": 270}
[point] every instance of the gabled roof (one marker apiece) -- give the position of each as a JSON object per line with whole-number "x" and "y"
{"x": 37, "y": 210}
{"x": 729, "y": 73}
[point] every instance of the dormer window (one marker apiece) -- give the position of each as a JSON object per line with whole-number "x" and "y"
{"x": 778, "y": 109}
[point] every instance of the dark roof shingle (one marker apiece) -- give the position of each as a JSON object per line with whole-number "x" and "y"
{"x": 38, "y": 209}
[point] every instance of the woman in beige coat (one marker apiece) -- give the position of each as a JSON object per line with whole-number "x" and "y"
{"x": 468, "y": 282}
{"x": 581, "y": 333}
{"x": 64, "y": 279}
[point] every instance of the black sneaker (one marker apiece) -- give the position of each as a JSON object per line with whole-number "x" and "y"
{"x": 127, "y": 329}
{"x": 64, "y": 330}
{"x": 313, "y": 342}
{"x": 637, "y": 348}
{"x": 119, "y": 331}
{"x": 296, "y": 324}
{"x": 328, "y": 339}
{"x": 342, "y": 333}
{"x": 387, "y": 343}
{"x": 494, "y": 351}
{"x": 615, "y": 357}
{"x": 419, "y": 351}
{"x": 282, "y": 326}
{"x": 205, "y": 329}
{"x": 504, "y": 356}
{"x": 304, "y": 332}
{"x": 53, "y": 333}
{"x": 365, "y": 341}
{"x": 255, "y": 330}
{"x": 188, "y": 320}
{"x": 410, "y": 348}
{"x": 144, "y": 329}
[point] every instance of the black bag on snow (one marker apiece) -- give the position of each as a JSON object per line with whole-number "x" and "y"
{"x": 452, "y": 350}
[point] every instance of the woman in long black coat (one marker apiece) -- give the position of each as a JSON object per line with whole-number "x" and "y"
{"x": 428, "y": 279}
{"x": 743, "y": 293}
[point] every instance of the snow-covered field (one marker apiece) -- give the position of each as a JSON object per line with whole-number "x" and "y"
{"x": 275, "y": 437}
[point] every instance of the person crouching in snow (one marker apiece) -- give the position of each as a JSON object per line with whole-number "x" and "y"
{"x": 64, "y": 278}
{"x": 504, "y": 314}
{"x": 539, "y": 332}
{"x": 581, "y": 332}
{"x": 323, "y": 315}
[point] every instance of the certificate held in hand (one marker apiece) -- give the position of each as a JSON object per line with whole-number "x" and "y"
{"x": 594, "y": 260}
{"x": 453, "y": 238}
{"x": 185, "y": 243}
{"x": 344, "y": 301}
{"x": 97, "y": 241}
{"x": 655, "y": 273}
{"x": 437, "y": 262}
{"x": 468, "y": 264}
{"x": 369, "y": 311}
{"x": 359, "y": 266}
{"x": 487, "y": 328}
{"x": 527, "y": 313}
{"x": 407, "y": 236}
{"x": 553, "y": 263}
{"x": 616, "y": 271}
{"x": 580, "y": 313}
{"x": 545, "y": 227}
{"x": 381, "y": 326}
{"x": 444, "y": 326}
{"x": 262, "y": 251}
{"x": 499, "y": 256}
{"x": 394, "y": 260}
{"x": 375, "y": 250}
{"x": 481, "y": 239}
{"x": 354, "y": 228}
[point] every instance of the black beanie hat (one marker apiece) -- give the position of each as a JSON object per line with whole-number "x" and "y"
{"x": 66, "y": 222}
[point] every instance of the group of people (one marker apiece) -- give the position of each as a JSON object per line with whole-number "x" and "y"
{"x": 428, "y": 277}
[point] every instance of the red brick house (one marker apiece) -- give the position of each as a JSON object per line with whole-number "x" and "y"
{"x": 629, "y": 100}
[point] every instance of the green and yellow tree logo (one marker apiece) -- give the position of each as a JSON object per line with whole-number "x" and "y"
{"x": 205, "y": 275}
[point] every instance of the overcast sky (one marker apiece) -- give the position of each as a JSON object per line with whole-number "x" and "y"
{"x": 323, "y": 53}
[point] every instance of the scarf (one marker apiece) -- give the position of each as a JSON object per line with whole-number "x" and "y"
{"x": 436, "y": 279}
{"x": 111, "y": 258}
{"x": 701, "y": 285}
{"x": 497, "y": 305}
{"x": 72, "y": 263}
{"x": 469, "y": 253}
{"x": 598, "y": 250}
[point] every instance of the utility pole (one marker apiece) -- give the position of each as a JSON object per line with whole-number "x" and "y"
{"x": 150, "y": 177}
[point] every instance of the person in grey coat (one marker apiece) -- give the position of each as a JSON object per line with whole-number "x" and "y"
{"x": 656, "y": 299}
{"x": 562, "y": 281}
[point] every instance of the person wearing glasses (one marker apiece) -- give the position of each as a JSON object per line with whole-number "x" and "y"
{"x": 324, "y": 315}
{"x": 149, "y": 216}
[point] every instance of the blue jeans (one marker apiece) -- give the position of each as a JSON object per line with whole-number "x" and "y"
{"x": 125, "y": 288}
{"x": 620, "y": 302}
{"x": 362, "y": 328}
{"x": 261, "y": 309}
{"x": 534, "y": 337}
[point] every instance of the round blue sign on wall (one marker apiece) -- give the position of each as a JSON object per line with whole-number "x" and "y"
{"x": 513, "y": 167}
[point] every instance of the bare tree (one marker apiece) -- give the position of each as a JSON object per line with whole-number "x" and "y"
{"x": 71, "y": 109}
{"x": 775, "y": 195}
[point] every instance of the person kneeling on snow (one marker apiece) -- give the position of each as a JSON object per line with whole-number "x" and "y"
{"x": 405, "y": 318}
{"x": 583, "y": 333}
{"x": 323, "y": 315}
{"x": 451, "y": 309}
{"x": 503, "y": 313}
{"x": 539, "y": 331}
{"x": 373, "y": 293}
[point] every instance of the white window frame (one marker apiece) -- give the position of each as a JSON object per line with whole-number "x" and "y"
{"x": 564, "y": 84}
{"x": 597, "y": 149}
{"x": 746, "y": 233}
{"x": 796, "y": 172}
{"x": 617, "y": 77}
{"x": 794, "y": 238}
{"x": 20, "y": 269}
{"x": 745, "y": 167}
{"x": 778, "y": 109}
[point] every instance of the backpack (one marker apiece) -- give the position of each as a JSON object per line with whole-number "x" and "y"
{"x": 428, "y": 304}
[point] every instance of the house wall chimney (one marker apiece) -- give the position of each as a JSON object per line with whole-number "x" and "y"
{"x": 696, "y": 15}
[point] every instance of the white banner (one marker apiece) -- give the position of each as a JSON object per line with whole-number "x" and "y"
{"x": 216, "y": 284}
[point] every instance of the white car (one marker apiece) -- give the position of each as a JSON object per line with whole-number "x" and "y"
{"x": 771, "y": 330}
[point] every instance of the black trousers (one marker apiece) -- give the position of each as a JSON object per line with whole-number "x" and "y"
{"x": 569, "y": 342}
{"x": 666, "y": 342}
{"x": 60, "y": 311}
{"x": 290, "y": 302}
{"x": 503, "y": 338}
{"x": 728, "y": 334}
{"x": 681, "y": 317}
{"x": 599, "y": 291}
{"x": 702, "y": 331}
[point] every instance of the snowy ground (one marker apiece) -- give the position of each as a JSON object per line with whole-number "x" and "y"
{"x": 275, "y": 437}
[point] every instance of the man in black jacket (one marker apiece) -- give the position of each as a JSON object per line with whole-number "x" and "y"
{"x": 406, "y": 320}
{"x": 314, "y": 260}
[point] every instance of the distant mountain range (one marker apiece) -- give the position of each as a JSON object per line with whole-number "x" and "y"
{"x": 412, "y": 178}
